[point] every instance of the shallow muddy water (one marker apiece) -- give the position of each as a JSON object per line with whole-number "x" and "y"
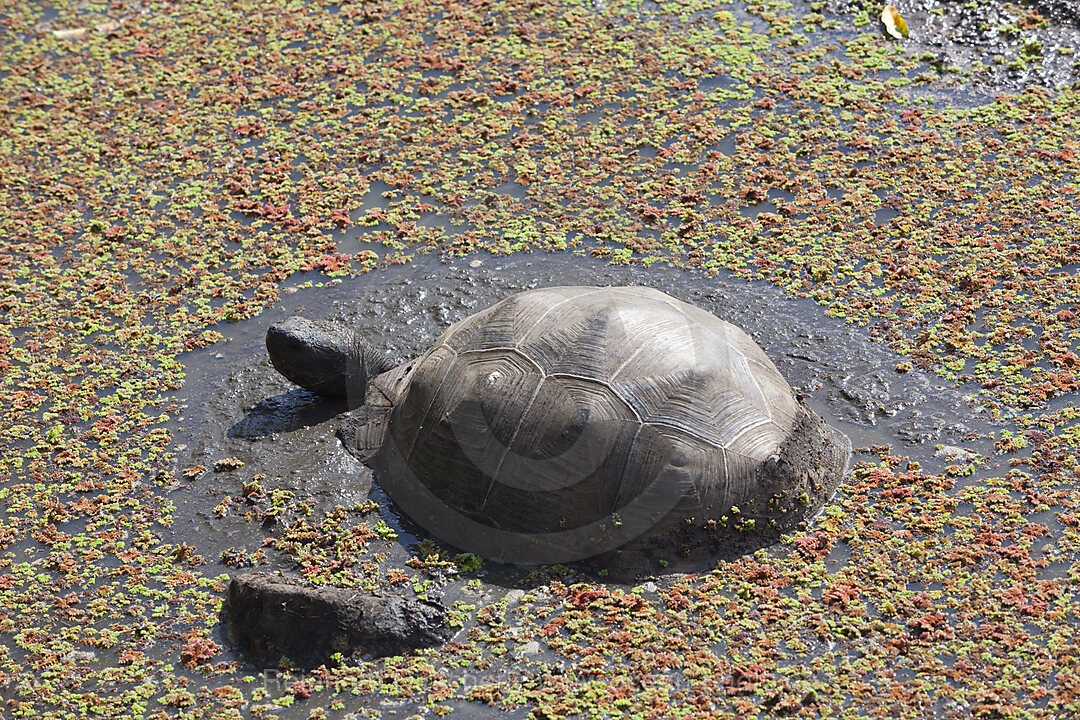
{"x": 817, "y": 139}
{"x": 239, "y": 407}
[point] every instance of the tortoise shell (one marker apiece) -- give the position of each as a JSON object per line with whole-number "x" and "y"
{"x": 565, "y": 422}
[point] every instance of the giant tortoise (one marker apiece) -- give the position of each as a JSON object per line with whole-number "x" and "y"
{"x": 567, "y": 423}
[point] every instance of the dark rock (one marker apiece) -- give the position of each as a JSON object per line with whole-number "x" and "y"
{"x": 271, "y": 616}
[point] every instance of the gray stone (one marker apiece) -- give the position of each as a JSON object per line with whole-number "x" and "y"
{"x": 959, "y": 454}
{"x": 271, "y": 616}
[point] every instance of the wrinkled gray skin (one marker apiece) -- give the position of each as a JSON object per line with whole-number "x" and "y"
{"x": 324, "y": 357}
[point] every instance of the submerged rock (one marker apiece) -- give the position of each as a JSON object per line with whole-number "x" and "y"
{"x": 272, "y": 616}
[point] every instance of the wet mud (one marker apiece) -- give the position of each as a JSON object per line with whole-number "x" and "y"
{"x": 239, "y": 408}
{"x": 985, "y": 48}
{"x": 110, "y": 217}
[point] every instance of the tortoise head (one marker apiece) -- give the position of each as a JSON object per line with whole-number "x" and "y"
{"x": 324, "y": 357}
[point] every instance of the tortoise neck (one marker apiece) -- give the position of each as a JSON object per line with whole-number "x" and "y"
{"x": 371, "y": 360}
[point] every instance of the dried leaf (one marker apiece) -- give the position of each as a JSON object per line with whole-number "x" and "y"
{"x": 81, "y": 32}
{"x": 894, "y": 24}
{"x": 70, "y": 34}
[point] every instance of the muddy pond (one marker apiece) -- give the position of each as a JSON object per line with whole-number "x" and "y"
{"x": 239, "y": 410}
{"x": 167, "y": 174}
